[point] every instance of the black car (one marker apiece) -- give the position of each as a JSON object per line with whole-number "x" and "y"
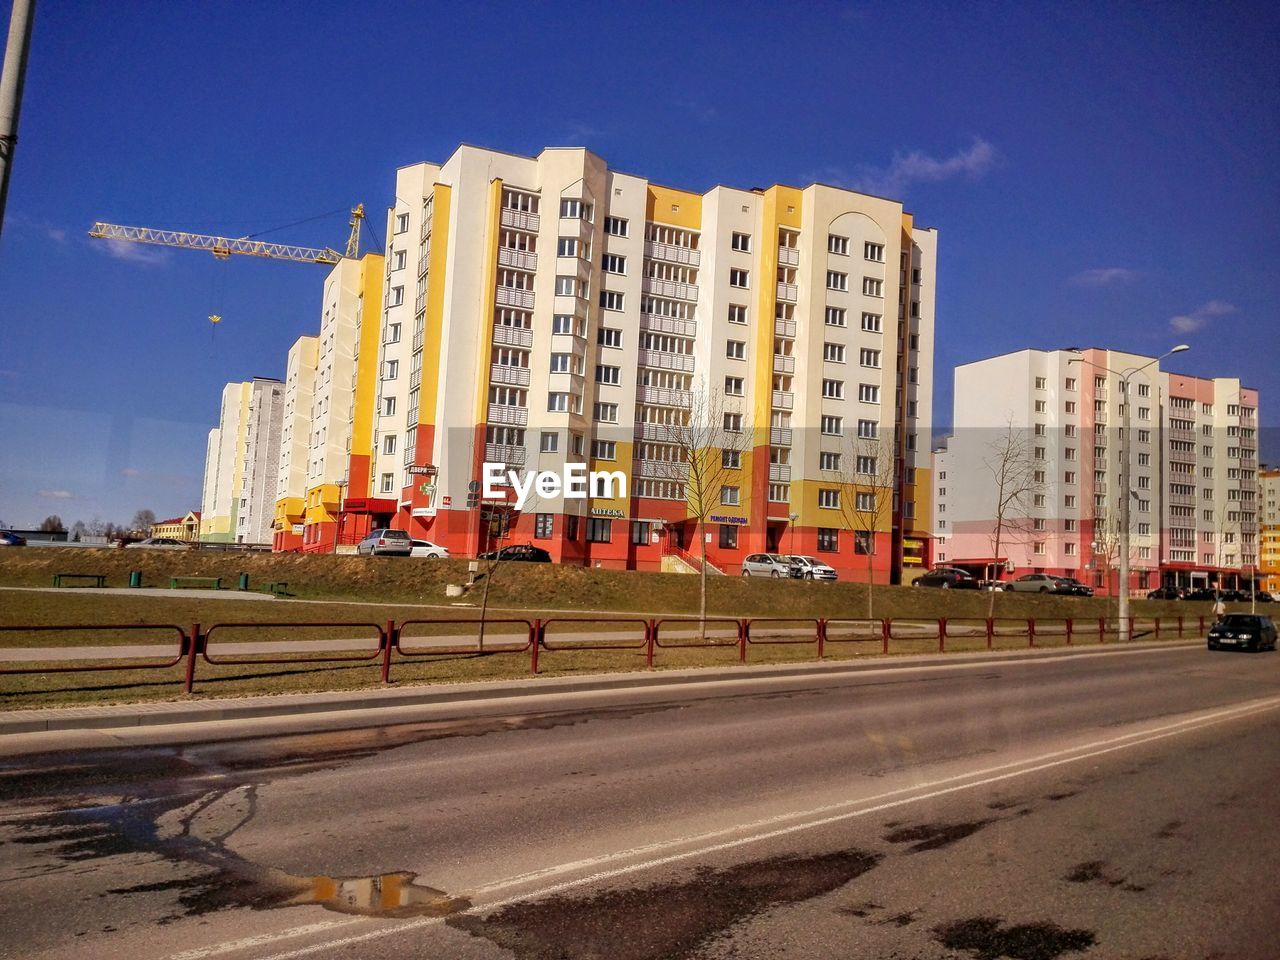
{"x": 1168, "y": 593}
{"x": 1074, "y": 588}
{"x": 1263, "y": 597}
{"x": 948, "y": 578}
{"x": 1243, "y": 631}
{"x": 1202, "y": 594}
{"x": 519, "y": 551}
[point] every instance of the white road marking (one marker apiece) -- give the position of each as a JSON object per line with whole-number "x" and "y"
{"x": 263, "y": 939}
{"x": 1031, "y": 765}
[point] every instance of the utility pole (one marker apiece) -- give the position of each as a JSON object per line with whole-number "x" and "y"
{"x": 11, "y": 80}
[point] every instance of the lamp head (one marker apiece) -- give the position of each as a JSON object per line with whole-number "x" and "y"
{"x": 1181, "y": 348}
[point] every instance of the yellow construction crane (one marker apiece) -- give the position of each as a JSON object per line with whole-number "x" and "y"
{"x": 224, "y": 247}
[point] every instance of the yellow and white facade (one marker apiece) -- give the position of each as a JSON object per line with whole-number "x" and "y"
{"x": 242, "y": 455}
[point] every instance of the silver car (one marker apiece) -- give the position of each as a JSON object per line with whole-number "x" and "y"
{"x": 384, "y": 542}
{"x": 773, "y": 565}
{"x": 811, "y": 568}
{"x": 1034, "y": 583}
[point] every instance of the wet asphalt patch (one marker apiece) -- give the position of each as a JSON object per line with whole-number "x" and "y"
{"x": 934, "y": 836}
{"x": 663, "y": 921}
{"x": 987, "y": 939}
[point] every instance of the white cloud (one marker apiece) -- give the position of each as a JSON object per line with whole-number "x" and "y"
{"x": 131, "y": 252}
{"x": 918, "y": 167}
{"x": 1104, "y": 276}
{"x": 1199, "y": 318}
{"x": 56, "y": 495}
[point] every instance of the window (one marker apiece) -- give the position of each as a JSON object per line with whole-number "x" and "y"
{"x": 837, "y": 280}
{"x": 611, "y": 300}
{"x": 865, "y": 501}
{"x": 741, "y": 242}
{"x": 599, "y": 530}
{"x": 864, "y": 542}
{"x": 868, "y": 429}
{"x": 606, "y": 413}
{"x": 868, "y": 393}
{"x": 1040, "y": 383}
{"x": 1069, "y": 477}
{"x": 575, "y": 210}
{"x": 731, "y": 459}
{"x": 728, "y": 536}
{"x": 828, "y": 460}
{"x": 609, "y": 375}
{"x": 1071, "y": 383}
{"x": 1144, "y": 413}
{"x": 558, "y": 402}
{"x": 567, "y": 247}
{"x": 578, "y": 444}
{"x": 604, "y": 449}
{"x": 639, "y": 532}
{"x": 550, "y": 442}
{"x": 832, "y": 426}
{"x": 837, "y": 245}
{"x": 872, "y": 287}
{"x": 402, "y": 223}
{"x": 833, "y": 352}
{"x": 388, "y": 406}
{"x": 393, "y": 332}
{"x": 616, "y": 227}
{"x": 562, "y": 323}
{"x": 737, "y": 313}
{"x": 833, "y": 389}
{"x": 561, "y": 362}
{"x": 730, "y": 496}
{"x": 871, "y": 322}
{"x": 736, "y": 350}
{"x": 609, "y": 337}
{"x": 1069, "y": 406}
{"x": 398, "y": 259}
{"x": 733, "y": 422}
{"x": 397, "y": 297}
{"x": 873, "y": 251}
{"x": 566, "y": 286}
{"x": 388, "y": 484}
{"x": 1041, "y": 406}
{"x": 835, "y": 317}
{"x": 739, "y": 278}
{"x": 869, "y": 358}
{"x": 865, "y": 464}
{"x": 1070, "y": 549}
{"x": 828, "y": 540}
{"x": 1069, "y": 501}
{"x": 829, "y": 499}
{"x": 391, "y": 369}
{"x": 614, "y": 263}
{"x": 733, "y": 386}
{"x": 1039, "y": 429}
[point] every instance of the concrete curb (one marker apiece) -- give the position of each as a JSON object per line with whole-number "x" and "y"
{"x": 294, "y": 705}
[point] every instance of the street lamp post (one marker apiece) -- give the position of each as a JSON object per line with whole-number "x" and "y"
{"x": 1126, "y": 446}
{"x": 791, "y": 528}
{"x": 337, "y": 530}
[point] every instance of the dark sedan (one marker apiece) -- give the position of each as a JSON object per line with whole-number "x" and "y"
{"x": 1167, "y": 593}
{"x": 1073, "y": 587}
{"x": 1243, "y": 631}
{"x": 948, "y": 578}
{"x": 519, "y": 551}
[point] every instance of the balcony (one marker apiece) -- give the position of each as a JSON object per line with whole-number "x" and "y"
{"x": 511, "y": 297}
{"x": 519, "y": 259}
{"x": 654, "y": 323}
{"x": 789, "y": 256}
{"x": 669, "y": 288}
{"x": 784, "y": 328}
{"x": 672, "y": 253}
{"x": 505, "y": 453}
{"x": 661, "y": 432}
{"x": 1182, "y": 499}
{"x": 415, "y": 379}
{"x": 783, "y": 399}
{"x": 520, "y": 220}
{"x": 515, "y": 376}
{"x": 779, "y": 436}
{"x": 512, "y": 336}
{"x": 419, "y": 303}
{"x": 422, "y": 264}
{"x": 788, "y": 292}
{"x": 1100, "y": 486}
{"x": 666, "y": 361}
{"x": 508, "y": 416}
{"x": 664, "y": 396}
{"x": 1178, "y": 433}
{"x": 662, "y": 469}
{"x": 782, "y": 364}
{"x": 779, "y": 473}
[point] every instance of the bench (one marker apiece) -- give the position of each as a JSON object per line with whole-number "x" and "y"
{"x": 212, "y": 583}
{"x": 99, "y": 579}
{"x": 278, "y": 587}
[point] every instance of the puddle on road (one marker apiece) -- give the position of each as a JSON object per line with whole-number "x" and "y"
{"x": 934, "y": 836}
{"x": 988, "y": 940}
{"x": 662, "y": 921}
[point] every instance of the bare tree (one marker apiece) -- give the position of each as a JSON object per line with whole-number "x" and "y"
{"x": 1105, "y": 543}
{"x": 143, "y": 521}
{"x": 865, "y": 497}
{"x": 52, "y": 524}
{"x": 705, "y": 449}
{"x": 1015, "y": 483}
{"x": 495, "y": 524}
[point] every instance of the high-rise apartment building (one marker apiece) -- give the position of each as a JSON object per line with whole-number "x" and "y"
{"x": 1269, "y": 545}
{"x": 550, "y": 310}
{"x": 1051, "y": 424}
{"x": 295, "y": 444}
{"x": 242, "y": 457}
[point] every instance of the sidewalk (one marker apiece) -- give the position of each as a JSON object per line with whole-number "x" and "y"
{"x": 383, "y": 700}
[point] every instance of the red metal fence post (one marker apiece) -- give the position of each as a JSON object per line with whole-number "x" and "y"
{"x": 1068, "y": 631}
{"x": 1102, "y": 629}
{"x": 388, "y": 641}
{"x": 744, "y": 632}
{"x": 942, "y": 635}
{"x": 1157, "y": 626}
{"x": 886, "y": 627}
{"x": 650, "y": 641}
{"x": 194, "y": 644}
{"x": 1031, "y": 631}
{"x": 535, "y": 640}
{"x": 991, "y": 632}
{"x": 822, "y": 636}
{"x": 1179, "y": 627}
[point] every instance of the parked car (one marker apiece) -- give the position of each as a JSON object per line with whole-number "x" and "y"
{"x": 1202, "y": 594}
{"x": 948, "y": 578}
{"x": 1243, "y": 631}
{"x": 767, "y": 565}
{"x": 158, "y": 543}
{"x": 1073, "y": 587}
{"x": 10, "y": 539}
{"x": 385, "y": 542}
{"x": 811, "y": 568}
{"x": 1235, "y": 596}
{"x": 1168, "y": 593}
{"x": 425, "y": 548}
{"x": 524, "y": 552}
{"x": 1035, "y": 583}
{"x": 1263, "y": 597}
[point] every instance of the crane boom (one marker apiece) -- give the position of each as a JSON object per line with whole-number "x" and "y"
{"x": 221, "y": 247}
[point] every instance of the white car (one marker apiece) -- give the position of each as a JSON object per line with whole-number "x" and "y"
{"x": 811, "y": 568}
{"x": 425, "y": 548}
{"x": 773, "y": 565}
{"x": 158, "y": 543}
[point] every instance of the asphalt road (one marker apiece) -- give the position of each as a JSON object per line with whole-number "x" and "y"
{"x": 1111, "y": 804}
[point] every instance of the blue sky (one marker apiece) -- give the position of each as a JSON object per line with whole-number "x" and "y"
{"x": 1100, "y": 174}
